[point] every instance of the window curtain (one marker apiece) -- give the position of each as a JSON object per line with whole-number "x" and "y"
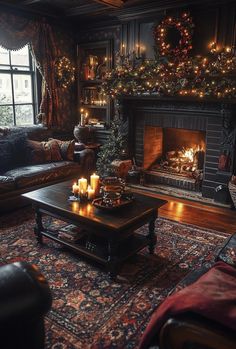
{"x": 16, "y": 32}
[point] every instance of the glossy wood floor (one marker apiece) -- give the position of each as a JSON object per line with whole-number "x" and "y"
{"x": 205, "y": 216}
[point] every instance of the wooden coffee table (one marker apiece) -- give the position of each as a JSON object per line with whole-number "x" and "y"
{"x": 109, "y": 237}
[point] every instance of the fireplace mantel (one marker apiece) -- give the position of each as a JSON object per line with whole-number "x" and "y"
{"x": 190, "y": 103}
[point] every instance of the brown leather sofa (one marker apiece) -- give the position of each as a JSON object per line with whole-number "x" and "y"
{"x": 18, "y": 176}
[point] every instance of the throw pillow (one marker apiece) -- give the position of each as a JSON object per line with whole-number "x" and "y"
{"x": 19, "y": 143}
{"x": 41, "y": 152}
{"x": 66, "y": 148}
{"x": 12, "y": 149}
{"x": 52, "y": 151}
{"x": 35, "y": 153}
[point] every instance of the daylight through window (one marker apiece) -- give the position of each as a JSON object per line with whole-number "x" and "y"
{"x": 17, "y": 87}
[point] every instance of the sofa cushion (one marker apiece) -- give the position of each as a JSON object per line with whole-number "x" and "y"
{"x": 12, "y": 149}
{"x": 6, "y": 184}
{"x": 43, "y": 152}
{"x": 31, "y": 175}
{"x": 66, "y": 148}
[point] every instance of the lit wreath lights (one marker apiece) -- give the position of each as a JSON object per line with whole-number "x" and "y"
{"x": 65, "y": 72}
{"x": 185, "y": 26}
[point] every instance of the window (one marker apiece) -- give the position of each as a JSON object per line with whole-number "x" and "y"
{"x": 18, "y": 100}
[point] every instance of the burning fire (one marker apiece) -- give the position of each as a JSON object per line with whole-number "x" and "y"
{"x": 188, "y": 153}
{"x": 186, "y": 160}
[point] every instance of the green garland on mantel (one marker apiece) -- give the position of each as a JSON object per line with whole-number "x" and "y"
{"x": 174, "y": 72}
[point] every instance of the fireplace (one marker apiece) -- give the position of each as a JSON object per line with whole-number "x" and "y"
{"x": 174, "y": 156}
{"x": 181, "y": 143}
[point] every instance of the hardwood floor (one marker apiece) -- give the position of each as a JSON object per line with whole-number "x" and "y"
{"x": 190, "y": 212}
{"x": 205, "y": 216}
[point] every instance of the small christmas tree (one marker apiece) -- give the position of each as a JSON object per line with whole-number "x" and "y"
{"x": 111, "y": 150}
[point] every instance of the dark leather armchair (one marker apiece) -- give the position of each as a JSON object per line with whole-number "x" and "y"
{"x": 192, "y": 331}
{"x": 25, "y": 298}
{"x": 200, "y": 315}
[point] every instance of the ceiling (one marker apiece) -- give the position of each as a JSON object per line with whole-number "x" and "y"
{"x": 73, "y": 9}
{"x": 89, "y": 12}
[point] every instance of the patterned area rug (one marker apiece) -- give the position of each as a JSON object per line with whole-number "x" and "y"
{"x": 91, "y": 311}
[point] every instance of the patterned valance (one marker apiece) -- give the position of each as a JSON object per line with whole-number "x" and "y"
{"x": 15, "y": 33}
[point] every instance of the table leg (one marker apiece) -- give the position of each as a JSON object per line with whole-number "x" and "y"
{"x": 151, "y": 233}
{"x": 39, "y": 226}
{"x": 112, "y": 266}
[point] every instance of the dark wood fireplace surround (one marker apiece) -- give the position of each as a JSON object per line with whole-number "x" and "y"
{"x": 217, "y": 120}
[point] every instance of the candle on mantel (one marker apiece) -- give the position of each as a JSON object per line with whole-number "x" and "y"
{"x": 86, "y": 118}
{"x": 91, "y": 193}
{"x": 94, "y": 181}
{"x": 75, "y": 189}
{"x": 82, "y": 182}
{"x": 123, "y": 49}
{"x": 82, "y": 117}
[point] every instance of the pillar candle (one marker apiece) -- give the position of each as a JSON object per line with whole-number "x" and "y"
{"x": 75, "y": 189}
{"x": 91, "y": 193}
{"x": 94, "y": 181}
{"x": 82, "y": 185}
{"x": 82, "y": 120}
{"x": 82, "y": 194}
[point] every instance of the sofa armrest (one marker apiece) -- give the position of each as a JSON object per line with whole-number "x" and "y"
{"x": 194, "y": 331}
{"x": 24, "y": 293}
{"x": 86, "y": 158}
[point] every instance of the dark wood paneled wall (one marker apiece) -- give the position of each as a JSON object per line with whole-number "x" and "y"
{"x": 214, "y": 20}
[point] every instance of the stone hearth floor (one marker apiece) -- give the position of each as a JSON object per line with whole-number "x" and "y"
{"x": 179, "y": 193}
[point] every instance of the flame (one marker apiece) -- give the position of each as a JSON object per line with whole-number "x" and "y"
{"x": 189, "y": 153}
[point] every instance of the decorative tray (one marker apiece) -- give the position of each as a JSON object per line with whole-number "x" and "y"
{"x": 99, "y": 203}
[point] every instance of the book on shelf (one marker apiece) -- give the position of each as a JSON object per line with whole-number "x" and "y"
{"x": 99, "y": 125}
{"x": 70, "y": 233}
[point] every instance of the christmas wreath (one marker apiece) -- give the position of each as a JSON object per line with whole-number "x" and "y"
{"x": 184, "y": 27}
{"x": 65, "y": 72}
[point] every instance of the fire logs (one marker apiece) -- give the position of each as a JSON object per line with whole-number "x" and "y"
{"x": 188, "y": 161}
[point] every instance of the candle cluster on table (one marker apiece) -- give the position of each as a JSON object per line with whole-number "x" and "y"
{"x": 84, "y": 190}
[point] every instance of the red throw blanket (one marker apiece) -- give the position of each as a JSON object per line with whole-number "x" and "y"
{"x": 213, "y": 296}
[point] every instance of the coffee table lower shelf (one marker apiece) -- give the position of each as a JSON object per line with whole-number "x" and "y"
{"x": 125, "y": 249}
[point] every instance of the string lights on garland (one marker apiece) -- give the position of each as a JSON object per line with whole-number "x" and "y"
{"x": 65, "y": 72}
{"x": 176, "y": 74}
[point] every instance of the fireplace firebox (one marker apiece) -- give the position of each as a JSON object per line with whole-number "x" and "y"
{"x": 175, "y": 156}
{"x": 182, "y": 143}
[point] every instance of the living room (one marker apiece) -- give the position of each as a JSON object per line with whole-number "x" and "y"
{"x": 118, "y": 174}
